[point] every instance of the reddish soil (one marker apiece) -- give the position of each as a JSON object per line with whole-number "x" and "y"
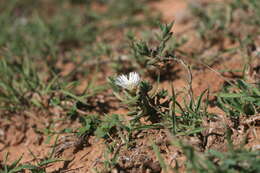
{"x": 19, "y": 132}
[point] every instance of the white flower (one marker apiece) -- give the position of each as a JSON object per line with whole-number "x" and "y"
{"x": 129, "y": 82}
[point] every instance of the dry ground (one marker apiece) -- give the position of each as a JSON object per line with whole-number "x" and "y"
{"x": 20, "y": 134}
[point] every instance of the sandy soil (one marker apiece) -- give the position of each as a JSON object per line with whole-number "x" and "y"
{"x": 24, "y": 133}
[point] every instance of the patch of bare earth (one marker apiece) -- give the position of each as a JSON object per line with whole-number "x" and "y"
{"x": 20, "y": 134}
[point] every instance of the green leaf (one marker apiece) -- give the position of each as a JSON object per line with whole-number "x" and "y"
{"x": 22, "y": 167}
{"x": 14, "y": 164}
{"x": 230, "y": 95}
{"x": 159, "y": 157}
{"x": 200, "y": 100}
{"x": 46, "y": 162}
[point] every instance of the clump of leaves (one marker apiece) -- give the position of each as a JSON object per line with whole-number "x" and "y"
{"x": 234, "y": 160}
{"x": 155, "y": 56}
{"x": 14, "y": 167}
{"x": 220, "y": 20}
{"x": 159, "y": 110}
{"x": 102, "y": 127}
{"x": 145, "y": 55}
{"x": 39, "y": 167}
{"x": 241, "y": 99}
{"x": 89, "y": 125}
{"x": 18, "y": 79}
{"x": 213, "y": 21}
{"x": 190, "y": 113}
{"x": 141, "y": 103}
{"x": 21, "y": 86}
{"x": 109, "y": 126}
